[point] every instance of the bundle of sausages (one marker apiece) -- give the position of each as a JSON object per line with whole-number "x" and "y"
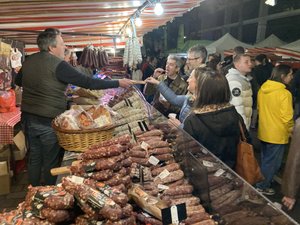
{"x": 131, "y": 110}
{"x": 99, "y": 201}
{"x": 18, "y": 217}
{"x": 167, "y": 178}
{"x": 52, "y": 203}
{"x": 106, "y": 162}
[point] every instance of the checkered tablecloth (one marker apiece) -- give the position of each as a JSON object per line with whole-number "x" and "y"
{"x": 7, "y": 123}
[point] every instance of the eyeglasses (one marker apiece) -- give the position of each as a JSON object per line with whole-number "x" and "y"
{"x": 190, "y": 59}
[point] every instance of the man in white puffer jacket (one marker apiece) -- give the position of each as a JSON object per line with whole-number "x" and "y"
{"x": 240, "y": 87}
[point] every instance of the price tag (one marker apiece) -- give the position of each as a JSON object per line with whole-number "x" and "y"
{"x": 229, "y": 176}
{"x": 219, "y": 172}
{"x": 174, "y": 214}
{"x": 162, "y": 187}
{"x": 153, "y": 160}
{"x": 204, "y": 151}
{"x": 145, "y": 146}
{"x": 207, "y": 163}
{"x": 163, "y": 174}
{"x": 146, "y": 214}
{"x": 76, "y": 179}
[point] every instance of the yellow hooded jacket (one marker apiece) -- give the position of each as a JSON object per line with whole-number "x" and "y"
{"x": 275, "y": 108}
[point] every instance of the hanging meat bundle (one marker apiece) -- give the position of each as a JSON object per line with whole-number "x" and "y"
{"x": 93, "y": 57}
{"x": 132, "y": 52}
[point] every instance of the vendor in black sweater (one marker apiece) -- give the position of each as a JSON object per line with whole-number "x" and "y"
{"x": 214, "y": 122}
{"x": 44, "y": 77}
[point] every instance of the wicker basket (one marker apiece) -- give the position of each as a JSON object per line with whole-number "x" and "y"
{"x": 80, "y": 140}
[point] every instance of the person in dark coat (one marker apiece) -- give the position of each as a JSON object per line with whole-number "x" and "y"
{"x": 262, "y": 70}
{"x": 214, "y": 122}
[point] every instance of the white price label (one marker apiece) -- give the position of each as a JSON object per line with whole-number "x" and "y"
{"x": 153, "y": 160}
{"x": 145, "y": 146}
{"x": 146, "y": 214}
{"x": 229, "y": 176}
{"x": 207, "y": 163}
{"x": 76, "y": 179}
{"x": 219, "y": 172}
{"x": 162, "y": 187}
{"x": 174, "y": 215}
{"x": 164, "y": 174}
{"x": 204, "y": 151}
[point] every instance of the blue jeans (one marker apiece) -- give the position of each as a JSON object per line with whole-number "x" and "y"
{"x": 44, "y": 150}
{"x": 271, "y": 159}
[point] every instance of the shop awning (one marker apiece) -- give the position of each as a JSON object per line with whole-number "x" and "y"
{"x": 84, "y": 22}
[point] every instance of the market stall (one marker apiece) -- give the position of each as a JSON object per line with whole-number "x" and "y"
{"x": 149, "y": 172}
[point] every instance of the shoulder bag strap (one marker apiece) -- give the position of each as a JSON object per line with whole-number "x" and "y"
{"x": 242, "y": 132}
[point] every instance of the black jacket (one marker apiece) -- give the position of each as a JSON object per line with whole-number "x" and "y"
{"x": 218, "y": 131}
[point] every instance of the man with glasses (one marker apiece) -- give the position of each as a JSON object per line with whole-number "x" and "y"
{"x": 196, "y": 57}
{"x": 44, "y": 77}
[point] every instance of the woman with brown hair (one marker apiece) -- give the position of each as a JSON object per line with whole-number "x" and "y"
{"x": 214, "y": 122}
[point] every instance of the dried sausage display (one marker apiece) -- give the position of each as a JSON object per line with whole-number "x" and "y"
{"x": 145, "y": 169}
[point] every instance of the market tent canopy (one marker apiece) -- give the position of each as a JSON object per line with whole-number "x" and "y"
{"x": 190, "y": 43}
{"x": 271, "y": 42}
{"x": 295, "y": 46}
{"x": 84, "y": 22}
{"x": 224, "y": 43}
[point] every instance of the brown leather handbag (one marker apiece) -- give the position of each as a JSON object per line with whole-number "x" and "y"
{"x": 246, "y": 165}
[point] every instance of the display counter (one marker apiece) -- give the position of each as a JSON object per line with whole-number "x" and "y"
{"x": 223, "y": 193}
{"x": 150, "y": 172}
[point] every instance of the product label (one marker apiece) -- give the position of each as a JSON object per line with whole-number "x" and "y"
{"x": 162, "y": 187}
{"x": 105, "y": 189}
{"x": 163, "y": 174}
{"x": 153, "y": 160}
{"x": 207, "y": 163}
{"x": 90, "y": 167}
{"x": 145, "y": 146}
{"x": 204, "y": 151}
{"x": 219, "y": 172}
{"x": 97, "y": 200}
{"x": 174, "y": 215}
{"x": 229, "y": 176}
{"x": 76, "y": 179}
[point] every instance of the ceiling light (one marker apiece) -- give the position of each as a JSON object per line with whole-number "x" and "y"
{"x": 138, "y": 22}
{"x": 136, "y": 3}
{"x": 128, "y": 31}
{"x": 270, "y": 2}
{"x": 158, "y": 9}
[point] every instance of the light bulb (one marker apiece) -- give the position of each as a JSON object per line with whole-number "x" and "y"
{"x": 118, "y": 40}
{"x": 128, "y": 31}
{"x": 138, "y": 22}
{"x": 270, "y": 2}
{"x": 158, "y": 9}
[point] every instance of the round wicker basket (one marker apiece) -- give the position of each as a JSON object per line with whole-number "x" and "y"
{"x": 80, "y": 140}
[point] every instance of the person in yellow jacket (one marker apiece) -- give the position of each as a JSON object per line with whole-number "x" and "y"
{"x": 275, "y": 108}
